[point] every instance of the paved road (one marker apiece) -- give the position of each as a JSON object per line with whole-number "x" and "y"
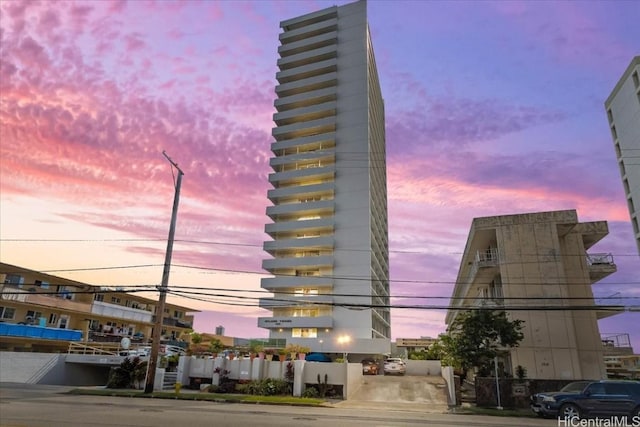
{"x": 408, "y": 393}
{"x": 39, "y": 406}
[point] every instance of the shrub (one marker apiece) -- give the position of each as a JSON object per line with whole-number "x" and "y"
{"x": 310, "y": 392}
{"x": 128, "y": 375}
{"x": 269, "y": 387}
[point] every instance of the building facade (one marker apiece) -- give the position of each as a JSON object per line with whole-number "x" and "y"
{"x": 623, "y": 113}
{"x": 102, "y": 314}
{"x": 329, "y": 247}
{"x": 536, "y": 268}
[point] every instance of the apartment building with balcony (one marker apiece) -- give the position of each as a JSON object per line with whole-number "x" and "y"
{"x": 100, "y": 314}
{"x": 536, "y": 268}
{"x": 623, "y": 114}
{"x": 329, "y": 241}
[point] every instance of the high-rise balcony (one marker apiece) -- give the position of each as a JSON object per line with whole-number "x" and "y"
{"x": 321, "y": 261}
{"x": 307, "y": 85}
{"x": 280, "y": 301}
{"x": 320, "y": 141}
{"x": 304, "y": 114}
{"x": 318, "y": 225}
{"x": 307, "y": 71}
{"x": 320, "y": 207}
{"x": 600, "y": 266}
{"x": 302, "y": 129}
{"x": 308, "y": 43}
{"x": 299, "y": 176}
{"x": 308, "y": 31}
{"x": 295, "y": 322}
{"x": 308, "y": 57}
{"x": 290, "y": 282}
{"x": 321, "y": 156}
{"x": 306, "y": 99}
{"x": 301, "y": 191}
{"x": 324, "y": 242}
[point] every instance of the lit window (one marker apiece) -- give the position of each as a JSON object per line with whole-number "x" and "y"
{"x": 304, "y": 333}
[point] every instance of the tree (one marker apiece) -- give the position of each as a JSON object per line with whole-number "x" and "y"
{"x": 476, "y": 337}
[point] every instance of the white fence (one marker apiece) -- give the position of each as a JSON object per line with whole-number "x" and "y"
{"x": 348, "y": 375}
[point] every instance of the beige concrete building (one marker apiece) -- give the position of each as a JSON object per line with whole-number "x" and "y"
{"x": 329, "y": 249}
{"x": 623, "y": 113}
{"x": 536, "y": 267}
{"x": 101, "y": 314}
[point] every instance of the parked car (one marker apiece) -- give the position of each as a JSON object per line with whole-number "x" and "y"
{"x": 369, "y": 367}
{"x": 394, "y": 365}
{"x": 583, "y": 399}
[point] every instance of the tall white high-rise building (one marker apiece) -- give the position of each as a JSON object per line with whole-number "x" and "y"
{"x": 329, "y": 247}
{"x": 623, "y": 112}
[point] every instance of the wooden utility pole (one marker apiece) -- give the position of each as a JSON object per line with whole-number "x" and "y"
{"x": 157, "y": 328}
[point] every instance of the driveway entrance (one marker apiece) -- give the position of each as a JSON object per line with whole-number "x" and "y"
{"x": 404, "y": 393}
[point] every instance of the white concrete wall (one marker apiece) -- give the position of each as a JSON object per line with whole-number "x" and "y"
{"x": 423, "y": 367}
{"x": 29, "y": 368}
{"x": 449, "y": 377}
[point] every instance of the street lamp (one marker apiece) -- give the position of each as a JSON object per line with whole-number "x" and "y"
{"x": 344, "y": 340}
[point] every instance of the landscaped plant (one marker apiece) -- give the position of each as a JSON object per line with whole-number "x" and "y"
{"x": 225, "y": 384}
{"x": 310, "y": 392}
{"x": 521, "y": 372}
{"x": 323, "y": 387}
{"x": 290, "y": 372}
{"x": 215, "y": 346}
{"x": 129, "y": 374}
{"x": 268, "y": 387}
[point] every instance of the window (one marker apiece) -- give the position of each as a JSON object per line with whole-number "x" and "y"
{"x": 7, "y": 313}
{"x": 41, "y": 284}
{"x": 610, "y": 115}
{"x": 127, "y": 303}
{"x": 53, "y": 318}
{"x": 13, "y": 279}
{"x": 115, "y": 300}
{"x": 304, "y": 333}
{"x": 64, "y": 320}
{"x": 306, "y": 312}
{"x": 308, "y": 272}
{"x": 636, "y": 79}
{"x": 304, "y": 291}
{"x": 98, "y": 297}
{"x": 614, "y": 132}
{"x": 65, "y": 293}
{"x": 32, "y": 316}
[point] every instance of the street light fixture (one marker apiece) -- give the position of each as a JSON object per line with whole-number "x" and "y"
{"x": 344, "y": 340}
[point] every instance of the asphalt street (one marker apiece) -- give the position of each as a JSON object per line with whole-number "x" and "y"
{"x": 39, "y": 406}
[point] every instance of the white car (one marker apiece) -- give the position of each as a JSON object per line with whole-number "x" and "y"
{"x": 394, "y": 365}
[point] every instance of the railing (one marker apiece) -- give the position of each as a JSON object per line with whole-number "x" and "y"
{"x": 487, "y": 258}
{"x": 94, "y": 349}
{"x": 600, "y": 259}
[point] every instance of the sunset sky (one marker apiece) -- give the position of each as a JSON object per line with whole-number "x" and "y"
{"x": 492, "y": 108}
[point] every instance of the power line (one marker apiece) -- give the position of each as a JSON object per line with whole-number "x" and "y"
{"x": 260, "y": 246}
{"x": 302, "y": 298}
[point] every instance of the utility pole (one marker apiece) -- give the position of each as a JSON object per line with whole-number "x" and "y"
{"x": 157, "y": 328}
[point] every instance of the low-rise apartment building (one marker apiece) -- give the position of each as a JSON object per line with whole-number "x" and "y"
{"x": 101, "y": 314}
{"x": 536, "y": 268}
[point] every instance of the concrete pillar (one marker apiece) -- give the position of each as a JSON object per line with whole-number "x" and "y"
{"x": 298, "y": 377}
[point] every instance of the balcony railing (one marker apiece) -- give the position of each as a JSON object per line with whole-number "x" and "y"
{"x": 600, "y": 259}
{"x": 487, "y": 258}
{"x": 600, "y": 266}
